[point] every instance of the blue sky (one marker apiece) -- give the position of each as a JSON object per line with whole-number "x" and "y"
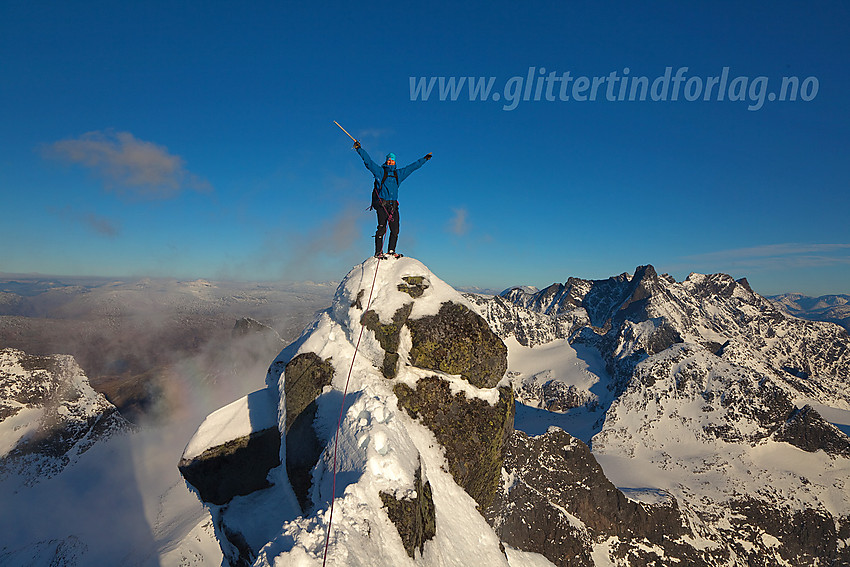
{"x": 197, "y": 140}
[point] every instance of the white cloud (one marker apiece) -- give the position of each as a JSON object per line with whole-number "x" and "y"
{"x": 129, "y": 165}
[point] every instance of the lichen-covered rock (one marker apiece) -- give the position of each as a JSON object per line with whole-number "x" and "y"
{"x": 458, "y": 341}
{"x": 305, "y": 377}
{"x": 389, "y": 336}
{"x": 414, "y": 517}
{"x": 414, "y": 286}
{"x": 472, "y": 431}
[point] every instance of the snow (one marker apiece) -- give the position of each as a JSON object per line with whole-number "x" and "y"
{"x": 518, "y": 558}
{"x": 603, "y": 551}
{"x": 18, "y": 426}
{"x": 252, "y": 413}
{"x": 656, "y": 437}
{"x": 574, "y": 365}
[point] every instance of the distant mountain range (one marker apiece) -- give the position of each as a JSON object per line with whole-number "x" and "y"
{"x": 700, "y": 390}
{"x": 830, "y": 308}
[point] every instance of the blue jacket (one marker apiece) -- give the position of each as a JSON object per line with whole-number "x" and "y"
{"x": 390, "y": 189}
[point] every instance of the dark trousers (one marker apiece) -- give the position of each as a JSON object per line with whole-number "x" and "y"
{"x": 387, "y": 213}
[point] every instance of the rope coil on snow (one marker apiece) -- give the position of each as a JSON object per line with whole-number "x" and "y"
{"x": 341, "y": 409}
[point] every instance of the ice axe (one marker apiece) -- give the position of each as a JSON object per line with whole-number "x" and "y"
{"x": 344, "y": 130}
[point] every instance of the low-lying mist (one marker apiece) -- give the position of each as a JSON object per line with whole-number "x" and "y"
{"x": 167, "y": 354}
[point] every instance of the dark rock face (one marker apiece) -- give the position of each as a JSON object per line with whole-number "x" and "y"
{"x": 808, "y": 536}
{"x": 303, "y": 449}
{"x": 305, "y": 377}
{"x": 807, "y": 430}
{"x": 472, "y": 431}
{"x": 248, "y": 326}
{"x": 458, "y": 341}
{"x": 414, "y": 518}
{"x": 236, "y": 468}
{"x": 555, "y": 476}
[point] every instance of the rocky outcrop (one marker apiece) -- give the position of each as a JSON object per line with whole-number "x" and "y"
{"x": 388, "y": 336}
{"x": 414, "y": 286}
{"x": 472, "y": 431}
{"x": 458, "y": 341}
{"x": 414, "y": 517}
{"x": 233, "y": 450}
{"x": 555, "y": 500}
{"x": 306, "y": 375}
{"x": 806, "y": 429}
{"x": 247, "y": 326}
{"x": 235, "y": 468}
{"x": 237, "y": 446}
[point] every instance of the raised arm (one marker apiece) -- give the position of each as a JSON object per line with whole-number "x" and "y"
{"x": 408, "y": 169}
{"x": 376, "y": 169}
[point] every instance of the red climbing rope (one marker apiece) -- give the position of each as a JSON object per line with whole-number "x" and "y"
{"x": 341, "y": 409}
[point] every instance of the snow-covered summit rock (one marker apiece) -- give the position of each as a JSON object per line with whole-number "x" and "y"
{"x": 419, "y": 451}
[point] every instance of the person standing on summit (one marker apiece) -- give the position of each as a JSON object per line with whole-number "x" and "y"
{"x": 385, "y": 195}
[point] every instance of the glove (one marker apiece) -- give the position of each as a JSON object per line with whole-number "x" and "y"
{"x": 356, "y": 144}
{"x": 428, "y": 155}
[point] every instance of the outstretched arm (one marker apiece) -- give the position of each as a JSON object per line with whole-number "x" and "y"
{"x": 408, "y": 169}
{"x": 369, "y": 162}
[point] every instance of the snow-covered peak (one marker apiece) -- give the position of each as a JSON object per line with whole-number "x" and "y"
{"x": 703, "y": 390}
{"x": 49, "y": 415}
{"x": 376, "y": 343}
